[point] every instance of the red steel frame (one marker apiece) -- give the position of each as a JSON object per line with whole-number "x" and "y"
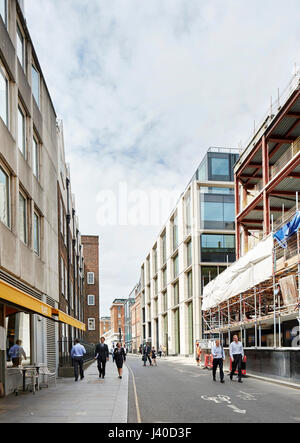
{"x": 268, "y": 185}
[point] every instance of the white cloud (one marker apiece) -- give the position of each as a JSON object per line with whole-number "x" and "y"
{"x": 145, "y": 87}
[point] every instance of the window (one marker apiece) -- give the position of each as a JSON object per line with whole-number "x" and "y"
{"x": 176, "y": 294}
{"x": 164, "y": 278}
{"x": 4, "y": 197}
{"x": 21, "y": 131}
{"x": 91, "y": 300}
{"x": 155, "y": 260}
{"x": 176, "y": 266}
{"x": 165, "y": 301}
{"x": 189, "y": 277}
{"x": 189, "y": 253}
{"x": 91, "y": 324}
{"x": 90, "y": 278}
{"x": 216, "y": 248}
{"x": 35, "y": 157}
{"x": 220, "y": 166}
{"x": 20, "y": 47}
{"x": 3, "y": 10}
{"x": 188, "y": 214}
{"x": 23, "y": 218}
{"x": 36, "y": 84}
{"x": 3, "y": 95}
{"x": 164, "y": 248}
{"x": 217, "y": 211}
{"x": 36, "y": 233}
{"x": 62, "y": 276}
{"x": 175, "y": 232}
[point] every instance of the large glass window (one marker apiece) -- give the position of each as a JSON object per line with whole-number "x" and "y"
{"x": 21, "y": 131}
{"x": 208, "y": 274}
{"x": 220, "y": 166}
{"x": 23, "y": 218}
{"x": 4, "y": 197}
{"x": 217, "y": 211}
{"x": 3, "y": 10}
{"x": 36, "y": 85}
{"x": 36, "y": 233}
{"x": 164, "y": 277}
{"x": 217, "y": 248}
{"x": 3, "y": 96}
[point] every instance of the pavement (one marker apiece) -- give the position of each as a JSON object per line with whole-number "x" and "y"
{"x": 91, "y": 400}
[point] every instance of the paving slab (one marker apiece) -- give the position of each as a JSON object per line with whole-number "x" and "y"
{"x": 91, "y": 400}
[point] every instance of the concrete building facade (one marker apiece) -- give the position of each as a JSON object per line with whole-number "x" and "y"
{"x": 29, "y": 171}
{"x": 196, "y": 244}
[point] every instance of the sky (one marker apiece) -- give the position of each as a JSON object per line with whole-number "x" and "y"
{"x": 144, "y": 88}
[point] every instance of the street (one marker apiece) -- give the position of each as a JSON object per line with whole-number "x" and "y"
{"x": 179, "y": 393}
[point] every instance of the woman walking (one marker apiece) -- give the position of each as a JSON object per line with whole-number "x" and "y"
{"x": 153, "y": 353}
{"x": 119, "y": 357}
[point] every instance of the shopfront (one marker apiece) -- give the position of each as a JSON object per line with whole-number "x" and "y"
{"x": 21, "y": 323}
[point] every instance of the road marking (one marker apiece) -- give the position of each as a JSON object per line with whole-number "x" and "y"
{"x": 221, "y": 399}
{"x": 138, "y": 413}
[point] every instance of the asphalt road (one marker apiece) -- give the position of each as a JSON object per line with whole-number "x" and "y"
{"x": 176, "y": 393}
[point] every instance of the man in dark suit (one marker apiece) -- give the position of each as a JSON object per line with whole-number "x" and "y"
{"x": 102, "y": 355}
{"x": 146, "y": 354}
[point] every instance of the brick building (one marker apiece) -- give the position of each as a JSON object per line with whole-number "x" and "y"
{"x": 90, "y": 245}
{"x": 105, "y": 325}
{"x": 118, "y": 319}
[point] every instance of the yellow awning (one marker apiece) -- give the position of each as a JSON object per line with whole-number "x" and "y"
{"x": 21, "y": 299}
{"x": 65, "y": 318}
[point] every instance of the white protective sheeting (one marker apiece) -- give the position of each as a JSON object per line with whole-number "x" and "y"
{"x": 250, "y": 270}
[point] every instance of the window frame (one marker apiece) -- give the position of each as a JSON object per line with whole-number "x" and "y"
{"x": 5, "y": 19}
{"x": 88, "y": 300}
{"x": 36, "y": 157}
{"x": 36, "y": 216}
{"x": 22, "y": 39}
{"x": 37, "y": 99}
{"x": 5, "y": 77}
{"x": 89, "y": 274}
{"x": 24, "y": 130}
{"x": 25, "y": 214}
{"x": 94, "y": 324}
{"x": 8, "y": 197}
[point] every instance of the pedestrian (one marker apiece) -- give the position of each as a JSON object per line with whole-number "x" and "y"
{"x": 77, "y": 353}
{"x": 198, "y": 354}
{"x": 153, "y": 354}
{"x": 16, "y": 353}
{"x": 164, "y": 350}
{"x": 236, "y": 355}
{"x": 102, "y": 356}
{"x": 119, "y": 357}
{"x": 218, "y": 359}
{"x": 160, "y": 352}
{"x": 146, "y": 354}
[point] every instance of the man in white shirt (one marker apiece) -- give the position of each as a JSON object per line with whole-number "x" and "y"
{"x": 218, "y": 359}
{"x": 236, "y": 355}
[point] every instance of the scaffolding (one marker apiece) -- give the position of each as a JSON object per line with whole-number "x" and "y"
{"x": 266, "y": 305}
